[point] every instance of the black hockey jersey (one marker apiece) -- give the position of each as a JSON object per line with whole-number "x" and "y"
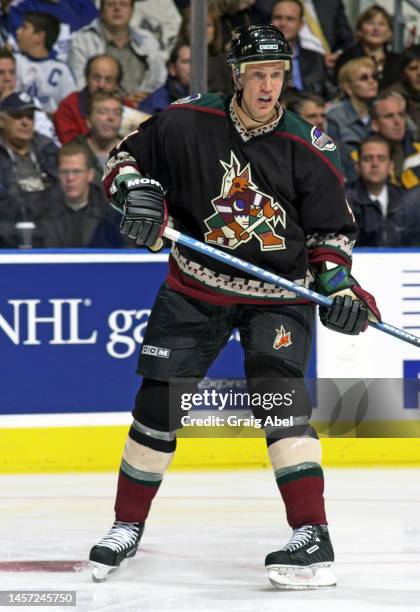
{"x": 273, "y": 197}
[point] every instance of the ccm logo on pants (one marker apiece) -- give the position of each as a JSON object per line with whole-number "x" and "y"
{"x": 156, "y": 351}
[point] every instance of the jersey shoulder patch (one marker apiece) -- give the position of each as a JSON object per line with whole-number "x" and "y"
{"x": 208, "y": 100}
{"x": 314, "y": 138}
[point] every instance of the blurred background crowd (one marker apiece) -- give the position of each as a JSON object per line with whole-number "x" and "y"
{"x": 78, "y": 75}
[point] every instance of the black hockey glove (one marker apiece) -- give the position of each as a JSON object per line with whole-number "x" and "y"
{"x": 141, "y": 202}
{"x": 352, "y": 306}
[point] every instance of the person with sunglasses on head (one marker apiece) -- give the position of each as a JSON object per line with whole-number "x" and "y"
{"x": 348, "y": 121}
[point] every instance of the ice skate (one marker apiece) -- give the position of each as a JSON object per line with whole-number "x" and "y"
{"x": 119, "y": 544}
{"x": 304, "y": 562}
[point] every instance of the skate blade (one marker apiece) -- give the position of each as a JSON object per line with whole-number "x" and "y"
{"x": 297, "y": 578}
{"x": 100, "y": 572}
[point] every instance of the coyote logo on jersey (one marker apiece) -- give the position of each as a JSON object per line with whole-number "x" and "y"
{"x": 244, "y": 212}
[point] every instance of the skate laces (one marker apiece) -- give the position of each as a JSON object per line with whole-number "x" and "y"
{"x": 120, "y": 536}
{"x": 300, "y": 537}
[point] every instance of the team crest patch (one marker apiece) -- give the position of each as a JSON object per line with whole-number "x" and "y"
{"x": 321, "y": 140}
{"x": 283, "y": 339}
{"x": 188, "y": 99}
{"x": 243, "y": 212}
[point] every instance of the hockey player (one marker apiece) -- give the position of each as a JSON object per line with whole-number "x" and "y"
{"x": 242, "y": 173}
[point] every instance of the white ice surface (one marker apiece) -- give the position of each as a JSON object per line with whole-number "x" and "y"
{"x": 206, "y": 539}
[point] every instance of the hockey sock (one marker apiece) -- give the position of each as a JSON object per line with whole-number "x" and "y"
{"x": 134, "y": 497}
{"x": 147, "y": 454}
{"x": 302, "y": 489}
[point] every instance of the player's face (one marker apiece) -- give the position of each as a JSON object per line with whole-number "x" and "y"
{"x": 315, "y": 114}
{"x": 375, "y": 163}
{"x": 103, "y": 76}
{"x": 262, "y": 84}
{"x": 412, "y": 74}
{"x": 391, "y": 119}
{"x": 286, "y": 16}
{"x": 105, "y": 119}
{"x": 7, "y": 76}
{"x": 75, "y": 177}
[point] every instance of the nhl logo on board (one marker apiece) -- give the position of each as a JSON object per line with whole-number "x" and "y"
{"x": 283, "y": 339}
{"x": 322, "y": 141}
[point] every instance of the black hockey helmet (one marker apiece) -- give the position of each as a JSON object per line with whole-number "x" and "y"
{"x": 263, "y": 43}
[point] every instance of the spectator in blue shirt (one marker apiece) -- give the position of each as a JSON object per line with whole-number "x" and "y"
{"x": 309, "y": 72}
{"x": 176, "y": 85}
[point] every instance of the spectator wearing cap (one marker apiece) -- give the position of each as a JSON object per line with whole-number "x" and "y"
{"x": 309, "y": 72}
{"x": 348, "y": 122}
{"x": 409, "y": 85}
{"x": 136, "y": 49}
{"x": 104, "y": 123}
{"x": 373, "y": 199}
{"x": 103, "y": 73}
{"x": 177, "y": 83}
{"x": 81, "y": 216}
{"x": 28, "y": 164}
{"x": 43, "y": 124}
{"x": 38, "y": 72}
{"x": 374, "y": 32}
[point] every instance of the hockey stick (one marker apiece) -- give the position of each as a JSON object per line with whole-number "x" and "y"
{"x": 265, "y": 275}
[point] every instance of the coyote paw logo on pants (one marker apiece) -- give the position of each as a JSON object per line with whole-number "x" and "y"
{"x": 283, "y": 339}
{"x": 243, "y": 212}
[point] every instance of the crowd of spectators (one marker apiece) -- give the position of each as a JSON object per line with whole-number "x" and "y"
{"x": 77, "y": 75}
